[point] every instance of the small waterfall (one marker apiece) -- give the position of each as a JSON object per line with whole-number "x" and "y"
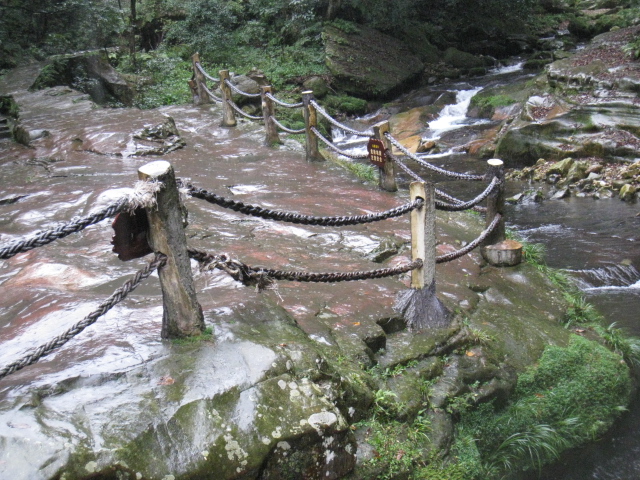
{"x": 453, "y": 116}
{"x": 608, "y": 277}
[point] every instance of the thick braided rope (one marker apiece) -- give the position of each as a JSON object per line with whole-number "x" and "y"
{"x": 241, "y": 112}
{"x": 158, "y": 261}
{"x": 442, "y": 171}
{"x": 455, "y": 201}
{"x": 211, "y": 94}
{"x": 238, "y": 91}
{"x": 76, "y": 225}
{"x": 285, "y": 129}
{"x": 249, "y": 275}
{"x": 404, "y": 167}
{"x": 466, "y": 249}
{"x": 199, "y": 67}
{"x": 292, "y": 217}
{"x": 331, "y": 146}
{"x": 457, "y": 207}
{"x": 335, "y": 123}
{"x": 284, "y": 104}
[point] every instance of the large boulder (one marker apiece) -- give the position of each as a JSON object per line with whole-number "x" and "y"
{"x": 91, "y": 74}
{"x": 369, "y": 64}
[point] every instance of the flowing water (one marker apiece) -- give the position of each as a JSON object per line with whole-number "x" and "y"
{"x": 596, "y": 241}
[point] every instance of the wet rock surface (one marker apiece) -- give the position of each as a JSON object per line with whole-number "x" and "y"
{"x": 275, "y": 391}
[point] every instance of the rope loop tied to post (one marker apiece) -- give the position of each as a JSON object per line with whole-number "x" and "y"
{"x": 293, "y": 217}
{"x": 448, "y": 257}
{"x": 264, "y": 277}
{"x": 120, "y": 294}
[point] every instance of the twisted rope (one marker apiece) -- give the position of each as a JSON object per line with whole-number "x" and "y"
{"x": 293, "y": 217}
{"x": 457, "y": 207}
{"x": 199, "y": 67}
{"x": 442, "y": 171}
{"x": 455, "y": 201}
{"x": 335, "y": 123}
{"x": 404, "y": 167}
{"x": 262, "y": 277}
{"x": 285, "y": 129}
{"x": 120, "y": 294}
{"x": 284, "y": 104}
{"x": 240, "y": 92}
{"x": 331, "y": 146}
{"x": 211, "y": 94}
{"x": 463, "y": 251}
{"x": 43, "y": 238}
{"x": 241, "y": 112}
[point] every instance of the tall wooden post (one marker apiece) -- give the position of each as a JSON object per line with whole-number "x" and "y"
{"x": 495, "y": 202}
{"x": 182, "y": 314}
{"x": 271, "y": 135}
{"x": 310, "y": 121}
{"x": 200, "y": 83}
{"x": 228, "y": 115}
{"x": 423, "y": 235}
{"x": 388, "y": 172}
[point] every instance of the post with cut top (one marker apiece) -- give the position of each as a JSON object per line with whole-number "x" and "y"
{"x": 388, "y": 172}
{"x": 198, "y": 83}
{"x": 423, "y": 234}
{"x": 272, "y": 136}
{"x": 310, "y": 121}
{"x": 182, "y": 314}
{"x": 228, "y": 115}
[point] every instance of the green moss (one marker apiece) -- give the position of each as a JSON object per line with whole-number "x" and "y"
{"x": 206, "y": 336}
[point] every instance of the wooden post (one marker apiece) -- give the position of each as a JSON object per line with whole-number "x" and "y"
{"x": 182, "y": 314}
{"x": 495, "y": 202}
{"x": 310, "y": 121}
{"x": 228, "y": 115}
{"x": 388, "y": 172}
{"x": 271, "y": 134}
{"x": 201, "y": 97}
{"x": 423, "y": 235}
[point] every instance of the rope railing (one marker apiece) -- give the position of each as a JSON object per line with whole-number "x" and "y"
{"x": 240, "y": 92}
{"x": 458, "y": 207}
{"x": 286, "y": 129}
{"x": 209, "y": 77}
{"x": 211, "y": 94}
{"x": 297, "y": 218}
{"x": 241, "y": 112}
{"x": 284, "y": 104}
{"x": 339, "y": 151}
{"x": 335, "y": 123}
{"x": 448, "y": 257}
{"x": 442, "y": 171}
{"x": 120, "y": 294}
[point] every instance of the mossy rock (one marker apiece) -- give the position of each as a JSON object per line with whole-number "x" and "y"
{"x": 462, "y": 60}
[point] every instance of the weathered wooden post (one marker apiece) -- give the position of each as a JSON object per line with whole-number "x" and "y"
{"x": 228, "y": 115}
{"x": 198, "y": 84}
{"x": 182, "y": 314}
{"x": 271, "y": 134}
{"x": 310, "y": 121}
{"x": 496, "y": 249}
{"x": 388, "y": 172}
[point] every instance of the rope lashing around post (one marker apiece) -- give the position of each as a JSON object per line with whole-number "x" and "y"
{"x": 335, "y": 123}
{"x": 211, "y": 94}
{"x": 285, "y": 129}
{"x": 293, "y": 217}
{"x": 284, "y": 104}
{"x": 142, "y": 195}
{"x": 202, "y": 71}
{"x": 471, "y": 245}
{"x": 240, "y": 92}
{"x": 442, "y": 171}
{"x": 329, "y": 144}
{"x": 263, "y": 277}
{"x": 120, "y": 294}
{"x": 242, "y": 112}
{"x": 458, "y": 207}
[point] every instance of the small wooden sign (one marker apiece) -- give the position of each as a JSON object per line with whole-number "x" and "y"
{"x": 130, "y": 238}
{"x": 377, "y": 152}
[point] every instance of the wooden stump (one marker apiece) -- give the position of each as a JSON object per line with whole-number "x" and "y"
{"x": 507, "y": 253}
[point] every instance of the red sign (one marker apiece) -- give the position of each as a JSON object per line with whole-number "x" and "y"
{"x": 377, "y": 152}
{"x": 130, "y": 238}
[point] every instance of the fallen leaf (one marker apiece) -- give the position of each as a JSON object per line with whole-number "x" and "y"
{"x": 400, "y": 454}
{"x": 471, "y": 353}
{"x": 166, "y": 381}
{"x": 357, "y": 324}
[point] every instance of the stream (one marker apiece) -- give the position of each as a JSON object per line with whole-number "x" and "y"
{"x": 595, "y": 241}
